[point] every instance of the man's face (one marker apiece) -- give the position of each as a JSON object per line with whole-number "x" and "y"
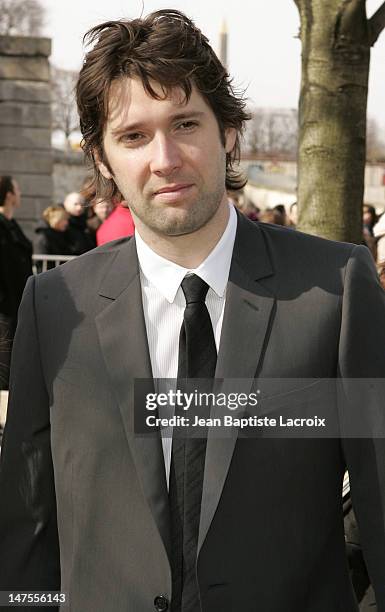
{"x": 74, "y": 204}
{"x": 102, "y": 209}
{"x": 367, "y": 216}
{"x": 166, "y": 157}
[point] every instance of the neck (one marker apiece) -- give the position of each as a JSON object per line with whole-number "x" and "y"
{"x": 188, "y": 250}
{"x": 7, "y": 211}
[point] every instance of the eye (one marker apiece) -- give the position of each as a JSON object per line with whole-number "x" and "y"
{"x": 134, "y": 138}
{"x": 187, "y": 126}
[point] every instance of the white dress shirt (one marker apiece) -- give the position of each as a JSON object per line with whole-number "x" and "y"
{"x": 164, "y": 304}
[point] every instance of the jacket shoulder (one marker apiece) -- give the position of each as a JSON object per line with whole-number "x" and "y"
{"x": 86, "y": 269}
{"x": 305, "y": 251}
{"x": 294, "y": 237}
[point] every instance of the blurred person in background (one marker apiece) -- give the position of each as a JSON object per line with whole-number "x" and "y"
{"x": 252, "y": 212}
{"x": 272, "y": 215}
{"x": 100, "y": 209}
{"x": 80, "y": 237}
{"x": 379, "y": 236}
{"x": 293, "y": 215}
{"x": 281, "y": 216}
{"x": 244, "y": 205}
{"x": 97, "y": 209}
{"x": 15, "y": 268}
{"x": 267, "y": 216}
{"x": 369, "y": 220}
{"x": 118, "y": 225}
{"x": 52, "y": 236}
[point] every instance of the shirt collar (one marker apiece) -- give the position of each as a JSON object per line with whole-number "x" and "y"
{"x": 167, "y": 276}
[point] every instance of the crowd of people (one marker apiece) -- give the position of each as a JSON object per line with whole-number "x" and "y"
{"x": 374, "y": 237}
{"x": 79, "y": 225}
{"x": 279, "y": 214}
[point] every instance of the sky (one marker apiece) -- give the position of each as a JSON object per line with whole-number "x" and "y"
{"x": 264, "y": 52}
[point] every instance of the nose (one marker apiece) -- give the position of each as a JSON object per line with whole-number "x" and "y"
{"x": 166, "y": 157}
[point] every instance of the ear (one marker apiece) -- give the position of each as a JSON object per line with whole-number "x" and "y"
{"x": 101, "y": 166}
{"x": 230, "y": 138}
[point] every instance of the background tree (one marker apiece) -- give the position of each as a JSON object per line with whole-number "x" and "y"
{"x": 21, "y": 18}
{"x": 336, "y": 38}
{"x": 64, "y": 112}
{"x": 272, "y": 132}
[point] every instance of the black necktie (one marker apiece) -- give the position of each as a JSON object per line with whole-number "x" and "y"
{"x": 197, "y": 359}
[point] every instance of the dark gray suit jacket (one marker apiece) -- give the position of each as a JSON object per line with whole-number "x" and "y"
{"x": 84, "y": 500}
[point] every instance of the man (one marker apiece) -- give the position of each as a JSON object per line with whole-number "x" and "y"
{"x": 79, "y": 237}
{"x": 218, "y": 523}
{"x": 15, "y": 267}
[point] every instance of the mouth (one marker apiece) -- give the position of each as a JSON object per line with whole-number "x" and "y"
{"x": 173, "y": 191}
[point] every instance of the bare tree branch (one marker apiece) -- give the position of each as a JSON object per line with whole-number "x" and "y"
{"x": 272, "y": 132}
{"x": 376, "y": 24}
{"x": 21, "y": 17}
{"x": 64, "y": 112}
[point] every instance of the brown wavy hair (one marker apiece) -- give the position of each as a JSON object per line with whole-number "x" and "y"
{"x": 53, "y": 214}
{"x": 165, "y": 47}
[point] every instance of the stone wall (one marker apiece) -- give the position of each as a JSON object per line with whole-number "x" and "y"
{"x": 69, "y": 173}
{"x": 25, "y": 122}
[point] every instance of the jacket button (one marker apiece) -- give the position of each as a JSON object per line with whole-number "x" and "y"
{"x": 161, "y": 603}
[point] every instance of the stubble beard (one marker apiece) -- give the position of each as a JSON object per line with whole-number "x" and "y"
{"x": 175, "y": 221}
{"x": 178, "y": 221}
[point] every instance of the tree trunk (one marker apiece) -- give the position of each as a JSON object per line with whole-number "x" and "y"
{"x": 335, "y": 36}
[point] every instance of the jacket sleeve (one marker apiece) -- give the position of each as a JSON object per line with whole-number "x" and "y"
{"x": 362, "y": 370}
{"x": 29, "y": 549}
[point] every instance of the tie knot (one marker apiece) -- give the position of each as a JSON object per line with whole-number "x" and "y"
{"x": 194, "y": 288}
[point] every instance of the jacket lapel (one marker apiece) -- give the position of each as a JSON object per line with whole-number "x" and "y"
{"x": 246, "y": 323}
{"x": 123, "y": 341}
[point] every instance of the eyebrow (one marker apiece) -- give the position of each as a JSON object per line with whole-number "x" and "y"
{"x": 130, "y": 127}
